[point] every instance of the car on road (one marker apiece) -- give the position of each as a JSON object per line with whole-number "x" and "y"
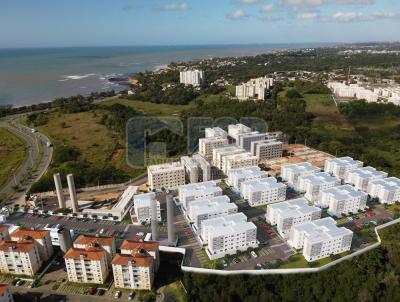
{"x": 253, "y": 254}
{"x": 224, "y": 264}
{"x": 117, "y": 294}
{"x": 14, "y": 282}
{"x": 131, "y": 295}
{"x": 20, "y": 282}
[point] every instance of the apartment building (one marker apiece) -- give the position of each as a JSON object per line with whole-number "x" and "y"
{"x": 41, "y": 238}
{"x": 266, "y": 149}
{"x": 237, "y": 176}
{"x": 292, "y": 172}
{"x": 342, "y": 200}
{"x": 361, "y": 177}
{"x": 19, "y": 257}
{"x": 387, "y": 190}
{"x": 226, "y": 236}
{"x": 254, "y": 89}
{"x": 312, "y": 184}
{"x": 142, "y": 207}
{"x": 320, "y": 238}
{"x": 263, "y": 191}
{"x": 5, "y": 293}
{"x": 216, "y": 132}
{"x": 246, "y": 139}
{"x": 220, "y": 153}
{"x": 235, "y": 130}
{"x": 201, "y": 210}
{"x": 88, "y": 265}
{"x": 192, "y": 173}
{"x": 207, "y": 146}
{"x": 106, "y": 243}
{"x": 204, "y": 168}
{"x": 170, "y": 175}
{"x": 277, "y": 135}
{"x": 290, "y": 213}
{"x": 202, "y": 190}
{"x": 191, "y": 77}
{"x": 339, "y": 166}
{"x": 130, "y": 246}
{"x": 237, "y": 161}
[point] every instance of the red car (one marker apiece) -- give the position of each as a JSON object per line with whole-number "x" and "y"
{"x": 371, "y": 214}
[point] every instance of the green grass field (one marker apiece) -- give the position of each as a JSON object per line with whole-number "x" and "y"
{"x": 13, "y": 153}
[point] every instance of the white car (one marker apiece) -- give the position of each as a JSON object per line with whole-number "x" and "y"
{"x": 117, "y": 294}
{"x": 253, "y": 254}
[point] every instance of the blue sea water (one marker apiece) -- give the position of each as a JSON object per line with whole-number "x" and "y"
{"x": 29, "y": 76}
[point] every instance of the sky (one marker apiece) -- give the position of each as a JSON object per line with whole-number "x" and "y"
{"x": 58, "y": 23}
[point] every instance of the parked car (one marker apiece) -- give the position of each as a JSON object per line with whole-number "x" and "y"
{"x": 14, "y": 282}
{"x": 20, "y": 282}
{"x": 117, "y": 294}
{"x": 253, "y": 254}
{"x": 370, "y": 214}
{"x": 131, "y": 295}
{"x": 101, "y": 291}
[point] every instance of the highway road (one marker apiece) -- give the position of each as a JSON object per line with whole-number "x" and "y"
{"x": 37, "y": 162}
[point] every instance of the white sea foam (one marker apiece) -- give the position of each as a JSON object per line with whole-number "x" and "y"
{"x": 78, "y": 77}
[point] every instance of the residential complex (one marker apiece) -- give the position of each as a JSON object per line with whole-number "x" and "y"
{"x": 105, "y": 243}
{"x": 191, "y": 77}
{"x": 41, "y": 239}
{"x": 339, "y": 166}
{"x": 237, "y": 176}
{"x": 312, "y": 184}
{"x": 263, "y": 191}
{"x": 361, "y": 177}
{"x": 342, "y": 200}
{"x": 254, "y": 89}
{"x": 292, "y": 172}
{"x": 130, "y": 246}
{"x": 246, "y": 139}
{"x": 220, "y": 153}
{"x": 237, "y": 161}
{"x": 201, "y": 190}
{"x": 266, "y": 149}
{"x": 142, "y": 207}
{"x": 320, "y": 238}
{"x": 170, "y": 175}
{"x": 290, "y": 213}
{"x": 387, "y": 190}
{"x": 207, "y": 146}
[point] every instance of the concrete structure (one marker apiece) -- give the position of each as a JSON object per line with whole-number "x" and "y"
{"x": 202, "y": 210}
{"x": 320, "y": 239}
{"x": 339, "y": 166}
{"x": 246, "y": 139}
{"x": 237, "y": 161}
{"x": 155, "y": 214}
{"x": 191, "y": 77}
{"x": 170, "y": 219}
{"x": 277, "y": 135}
{"x": 226, "y": 236}
{"x": 202, "y": 190}
{"x": 170, "y": 175}
{"x": 312, "y": 184}
{"x": 290, "y": 213}
{"x": 19, "y": 257}
{"x": 89, "y": 265}
{"x": 40, "y": 237}
{"x": 235, "y": 130}
{"x": 220, "y": 153}
{"x": 143, "y": 207}
{"x": 204, "y": 168}
{"x": 192, "y": 173}
{"x": 237, "y": 176}
{"x": 361, "y": 177}
{"x": 387, "y": 190}
{"x": 216, "y": 132}
{"x": 59, "y": 191}
{"x": 263, "y": 191}
{"x": 254, "y": 89}
{"x": 129, "y": 246}
{"x": 60, "y": 236}
{"x": 292, "y": 172}
{"x": 72, "y": 193}
{"x": 5, "y": 293}
{"x": 342, "y": 200}
{"x": 267, "y": 149}
{"x": 105, "y": 243}
{"x": 207, "y": 146}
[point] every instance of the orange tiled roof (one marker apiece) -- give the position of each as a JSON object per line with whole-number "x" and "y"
{"x": 3, "y": 228}
{"x": 35, "y": 234}
{"x": 137, "y": 260}
{"x": 88, "y": 253}
{"x": 18, "y": 246}
{"x": 3, "y": 288}
{"x": 137, "y": 245}
{"x": 93, "y": 240}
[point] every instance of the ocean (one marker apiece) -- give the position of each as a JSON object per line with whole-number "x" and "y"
{"x": 30, "y": 76}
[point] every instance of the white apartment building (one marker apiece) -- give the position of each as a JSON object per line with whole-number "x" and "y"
{"x": 5, "y": 293}
{"x": 342, "y": 200}
{"x": 234, "y": 218}
{"x": 387, "y": 190}
{"x": 237, "y": 176}
{"x": 254, "y": 88}
{"x": 220, "y": 153}
{"x": 277, "y": 135}
{"x": 361, "y": 177}
{"x": 290, "y": 213}
{"x": 216, "y": 132}
{"x": 130, "y": 246}
{"x": 106, "y": 243}
{"x": 170, "y": 175}
{"x": 192, "y": 169}
{"x": 235, "y": 130}
{"x": 267, "y": 149}
{"x": 246, "y": 139}
{"x": 202, "y": 190}
{"x": 292, "y": 172}
{"x": 353, "y": 91}
{"x": 87, "y": 265}
{"x": 19, "y": 257}
{"x": 207, "y": 146}
{"x": 191, "y": 77}
{"x": 202, "y": 210}
{"x": 320, "y": 238}
{"x": 263, "y": 191}
{"x": 41, "y": 238}
{"x": 339, "y": 166}
{"x": 312, "y": 184}
{"x": 225, "y": 236}
{"x": 204, "y": 167}
{"x": 237, "y": 161}
{"x": 142, "y": 207}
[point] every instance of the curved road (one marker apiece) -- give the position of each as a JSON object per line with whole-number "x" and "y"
{"x": 37, "y": 162}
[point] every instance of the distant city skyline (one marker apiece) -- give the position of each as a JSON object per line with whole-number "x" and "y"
{"x": 49, "y": 23}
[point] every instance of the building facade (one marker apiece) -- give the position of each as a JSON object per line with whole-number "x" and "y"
{"x": 238, "y": 161}
{"x": 201, "y": 190}
{"x": 387, "y": 190}
{"x": 191, "y": 77}
{"x": 292, "y": 172}
{"x": 361, "y": 177}
{"x": 106, "y": 243}
{"x": 339, "y": 166}
{"x": 312, "y": 184}
{"x": 170, "y": 175}
{"x": 207, "y": 146}
{"x": 237, "y": 176}
{"x": 142, "y": 207}
{"x": 41, "y": 238}
{"x": 263, "y": 191}
{"x": 267, "y": 149}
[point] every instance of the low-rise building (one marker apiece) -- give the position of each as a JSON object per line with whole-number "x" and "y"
{"x": 263, "y": 191}
{"x": 292, "y": 172}
{"x": 170, "y": 175}
{"x": 320, "y": 238}
{"x": 235, "y": 130}
{"x": 130, "y": 246}
{"x": 105, "y": 243}
{"x": 277, "y": 135}
{"x": 88, "y": 265}
{"x": 267, "y": 149}
{"x": 5, "y": 293}
{"x": 342, "y": 200}
{"x": 204, "y": 168}
{"x": 237, "y": 176}
{"x": 208, "y": 144}
{"x": 312, "y": 184}
{"x": 387, "y": 190}
{"x": 216, "y": 132}
{"x": 290, "y": 213}
{"x": 361, "y": 177}
{"x": 339, "y": 166}
{"x": 220, "y": 153}
{"x": 41, "y": 238}
{"x": 142, "y": 207}
{"x": 254, "y": 89}
{"x": 246, "y": 139}
{"x": 201, "y": 190}
{"x": 192, "y": 172}
{"x": 237, "y": 161}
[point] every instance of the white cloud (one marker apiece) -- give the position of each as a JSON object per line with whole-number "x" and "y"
{"x": 267, "y": 8}
{"x": 237, "y": 14}
{"x": 246, "y": 2}
{"x": 182, "y": 6}
{"x": 302, "y": 3}
{"x": 308, "y": 16}
{"x": 362, "y": 17}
